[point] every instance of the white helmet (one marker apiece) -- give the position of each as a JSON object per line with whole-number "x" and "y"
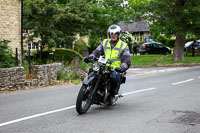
{"x": 114, "y": 29}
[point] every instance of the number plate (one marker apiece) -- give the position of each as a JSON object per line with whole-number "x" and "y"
{"x": 103, "y": 60}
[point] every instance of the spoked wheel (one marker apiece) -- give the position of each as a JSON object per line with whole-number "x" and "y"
{"x": 84, "y": 100}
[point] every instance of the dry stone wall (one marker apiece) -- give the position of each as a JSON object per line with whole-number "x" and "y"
{"x": 12, "y": 78}
{"x": 15, "y": 78}
{"x": 45, "y": 74}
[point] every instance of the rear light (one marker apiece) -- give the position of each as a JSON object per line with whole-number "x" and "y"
{"x": 145, "y": 46}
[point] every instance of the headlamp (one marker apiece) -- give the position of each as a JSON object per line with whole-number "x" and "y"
{"x": 95, "y": 67}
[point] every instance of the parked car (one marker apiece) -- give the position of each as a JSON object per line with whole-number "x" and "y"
{"x": 188, "y": 47}
{"x": 154, "y": 48}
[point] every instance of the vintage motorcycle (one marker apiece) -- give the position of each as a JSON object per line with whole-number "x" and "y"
{"x": 96, "y": 86}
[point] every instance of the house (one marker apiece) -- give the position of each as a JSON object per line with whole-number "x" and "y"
{"x": 32, "y": 45}
{"x": 140, "y": 29}
{"x": 10, "y": 23}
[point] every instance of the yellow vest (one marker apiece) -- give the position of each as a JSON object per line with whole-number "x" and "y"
{"x": 115, "y": 53}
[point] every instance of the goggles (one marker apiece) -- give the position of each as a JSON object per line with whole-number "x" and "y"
{"x": 117, "y": 33}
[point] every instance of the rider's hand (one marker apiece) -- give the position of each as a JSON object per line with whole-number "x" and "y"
{"x": 118, "y": 69}
{"x": 88, "y": 58}
{"x": 91, "y": 57}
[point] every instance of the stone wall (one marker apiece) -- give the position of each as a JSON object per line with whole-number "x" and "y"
{"x": 15, "y": 78}
{"x": 10, "y": 22}
{"x": 12, "y": 78}
{"x": 44, "y": 75}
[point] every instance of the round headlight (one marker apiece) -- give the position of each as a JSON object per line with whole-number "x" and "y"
{"x": 96, "y": 67}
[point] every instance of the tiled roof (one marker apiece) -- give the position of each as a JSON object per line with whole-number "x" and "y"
{"x": 140, "y": 26}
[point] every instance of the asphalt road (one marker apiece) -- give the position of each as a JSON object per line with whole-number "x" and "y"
{"x": 156, "y": 100}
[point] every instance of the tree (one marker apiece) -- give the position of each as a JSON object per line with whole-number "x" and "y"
{"x": 173, "y": 17}
{"x": 38, "y": 17}
{"x": 54, "y": 22}
{"x": 57, "y": 22}
{"x": 103, "y": 14}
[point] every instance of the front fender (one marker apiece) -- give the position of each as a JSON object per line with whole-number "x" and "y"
{"x": 87, "y": 80}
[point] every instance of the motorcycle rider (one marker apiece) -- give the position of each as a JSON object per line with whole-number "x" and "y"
{"x": 118, "y": 52}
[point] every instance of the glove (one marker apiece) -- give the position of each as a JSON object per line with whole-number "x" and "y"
{"x": 91, "y": 57}
{"x": 88, "y": 58}
{"x": 118, "y": 69}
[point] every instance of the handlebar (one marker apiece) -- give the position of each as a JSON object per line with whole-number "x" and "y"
{"x": 92, "y": 59}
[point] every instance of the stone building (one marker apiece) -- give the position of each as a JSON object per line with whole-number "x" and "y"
{"x": 10, "y": 23}
{"x": 139, "y": 29}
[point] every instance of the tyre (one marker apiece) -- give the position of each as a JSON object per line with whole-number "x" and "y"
{"x": 84, "y": 100}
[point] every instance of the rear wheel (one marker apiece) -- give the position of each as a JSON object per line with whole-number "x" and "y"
{"x": 84, "y": 100}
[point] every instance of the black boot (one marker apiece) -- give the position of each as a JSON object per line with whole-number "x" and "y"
{"x": 112, "y": 100}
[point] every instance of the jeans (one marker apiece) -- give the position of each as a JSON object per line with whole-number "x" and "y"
{"x": 115, "y": 82}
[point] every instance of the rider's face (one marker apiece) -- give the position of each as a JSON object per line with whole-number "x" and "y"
{"x": 114, "y": 37}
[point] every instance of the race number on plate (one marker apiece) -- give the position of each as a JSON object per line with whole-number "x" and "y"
{"x": 103, "y": 60}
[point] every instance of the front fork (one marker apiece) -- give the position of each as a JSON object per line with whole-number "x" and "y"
{"x": 95, "y": 87}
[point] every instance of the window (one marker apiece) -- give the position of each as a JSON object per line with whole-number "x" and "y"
{"x": 33, "y": 45}
{"x": 158, "y": 46}
{"x": 29, "y": 45}
{"x": 26, "y": 31}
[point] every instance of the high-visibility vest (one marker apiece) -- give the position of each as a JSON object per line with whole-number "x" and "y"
{"x": 114, "y": 54}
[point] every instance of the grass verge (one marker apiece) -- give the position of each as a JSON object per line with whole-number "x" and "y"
{"x": 162, "y": 60}
{"x": 189, "y": 60}
{"x": 144, "y": 60}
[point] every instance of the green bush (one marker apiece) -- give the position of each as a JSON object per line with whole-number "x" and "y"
{"x": 166, "y": 41}
{"x": 57, "y": 55}
{"x": 127, "y": 38}
{"x": 70, "y": 72}
{"x": 6, "y": 55}
{"x": 170, "y": 42}
{"x": 68, "y": 75}
{"x": 68, "y": 55}
{"x": 33, "y": 52}
{"x": 26, "y": 67}
{"x": 80, "y": 46}
{"x": 190, "y": 39}
{"x": 94, "y": 42}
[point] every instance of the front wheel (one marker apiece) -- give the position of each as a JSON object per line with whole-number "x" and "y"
{"x": 84, "y": 100}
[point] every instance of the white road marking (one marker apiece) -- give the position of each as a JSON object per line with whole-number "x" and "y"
{"x": 154, "y": 71}
{"x": 34, "y": 116}
{"x": 137, "y": 75}
{"x": 133, "y": 92}
{"x": 182, "y": 82}
{"x": 135, "y": 69}
{"x": 62, "y": 109}
{"x": 199, "y": 77}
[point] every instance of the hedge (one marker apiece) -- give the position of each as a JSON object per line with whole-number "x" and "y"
{"x": 166, "y": 41}
{"x": 58, "y": 55}
{"x": 66, "y": 54}
{"x": 80, "y": 46}
{"x": 170, "y": 42}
